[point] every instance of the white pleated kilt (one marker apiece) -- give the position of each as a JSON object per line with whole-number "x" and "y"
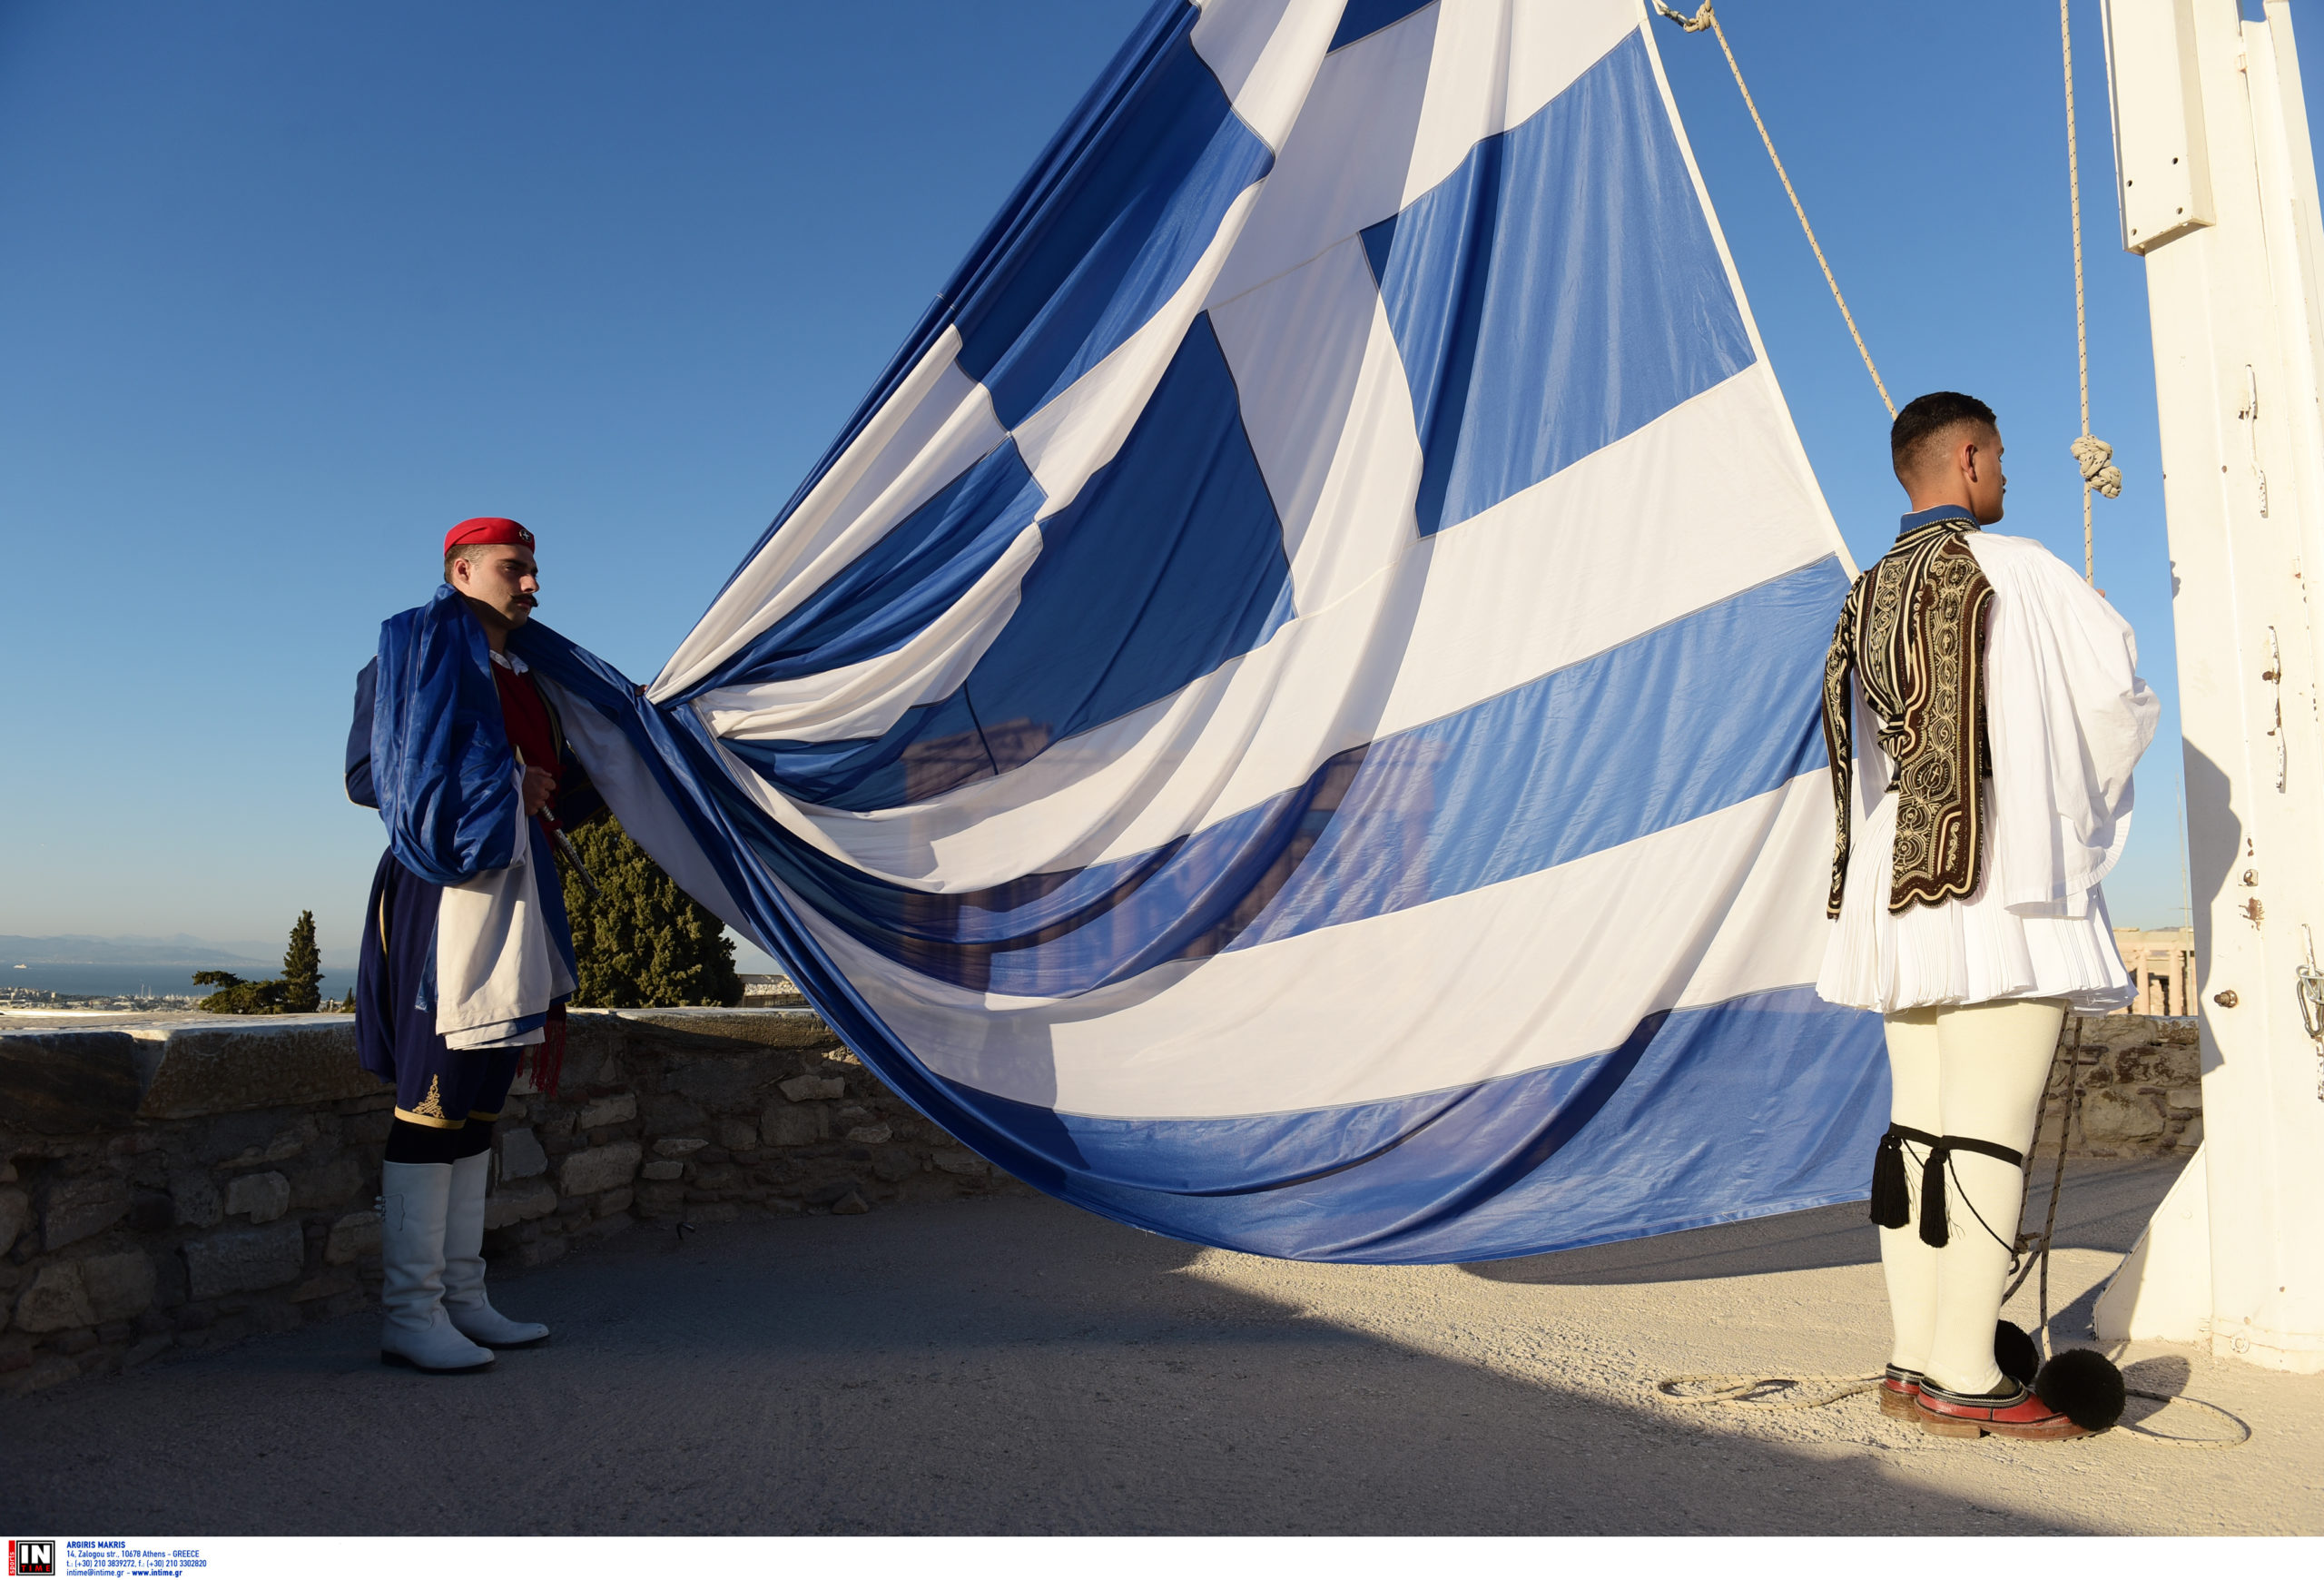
{"x": 1963, "y": 952}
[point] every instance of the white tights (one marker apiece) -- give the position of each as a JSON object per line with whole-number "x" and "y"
{"x": 1974, "y": 1071}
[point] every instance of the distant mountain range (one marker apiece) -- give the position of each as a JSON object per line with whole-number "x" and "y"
{"x": 181, "y": 949}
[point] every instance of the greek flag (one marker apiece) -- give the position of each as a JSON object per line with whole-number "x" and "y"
{"x": 1289, "y": 715}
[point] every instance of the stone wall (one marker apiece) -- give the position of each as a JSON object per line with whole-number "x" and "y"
{"x": 170, "y": 1188}
{"x": 2141, "y": 1088}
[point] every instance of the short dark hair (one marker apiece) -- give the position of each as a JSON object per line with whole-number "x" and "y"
{"x": 465, "y": 551}
{"x": 1926, "y": 417}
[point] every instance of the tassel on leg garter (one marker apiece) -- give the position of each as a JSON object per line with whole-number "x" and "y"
{"x": 1934, "y": 1228}
{"x": 1892, "y": 1204}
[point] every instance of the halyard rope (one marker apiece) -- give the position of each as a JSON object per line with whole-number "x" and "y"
{"x": 2058, "y": 1172}
{"x": 2092, "y": 455}
{"x": 2071, "y": 1053}
{"x": 1746, "y": 1392}
{"x": 1706, "y": 17}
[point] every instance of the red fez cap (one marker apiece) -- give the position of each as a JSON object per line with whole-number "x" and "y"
{"x": 487, "y": 529}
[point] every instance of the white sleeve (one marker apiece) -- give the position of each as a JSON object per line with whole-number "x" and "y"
{"x": 1873, "y": 770}
{"x": 2067, "y": 717}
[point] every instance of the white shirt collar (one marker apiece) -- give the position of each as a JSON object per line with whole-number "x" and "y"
{"x": 510, "y": 662}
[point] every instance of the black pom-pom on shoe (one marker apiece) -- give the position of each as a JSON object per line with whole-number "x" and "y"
{"x": 2083, "y": 1386}
{"x": 2014, "y": 1353}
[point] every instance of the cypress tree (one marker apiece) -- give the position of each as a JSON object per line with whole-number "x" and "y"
{"x": 302, "y": 972}
{"x": 236, "y": 997}
{"x": 645, "y": 943}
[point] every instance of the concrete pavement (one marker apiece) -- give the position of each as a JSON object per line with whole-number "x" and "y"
{"x": 1018, "y": 1366}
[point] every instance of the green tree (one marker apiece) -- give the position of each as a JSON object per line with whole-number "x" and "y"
{"x": 236, "y": 997}
{"x": 644, "y": 941}
{"x": 302, "y": 969}
{"x": 296, "y": 992}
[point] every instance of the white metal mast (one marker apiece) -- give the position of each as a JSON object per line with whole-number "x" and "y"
{"x": 2218, "y": 192}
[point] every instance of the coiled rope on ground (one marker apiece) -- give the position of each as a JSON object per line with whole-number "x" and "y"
{"x": 1735, "y": 1390}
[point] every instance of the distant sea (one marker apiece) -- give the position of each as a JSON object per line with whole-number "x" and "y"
{"x": 110, "y": 980}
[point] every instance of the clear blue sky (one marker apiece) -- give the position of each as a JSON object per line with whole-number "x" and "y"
{"x": 290, "y": 288}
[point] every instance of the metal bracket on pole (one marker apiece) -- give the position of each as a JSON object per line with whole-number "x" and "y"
{"x": 2312, "y": 989}
{"x": 2312, "y": 1003}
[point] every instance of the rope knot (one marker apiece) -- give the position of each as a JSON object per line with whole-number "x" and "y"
{"x": 2094, "y": 456}
{"x": 1695, "y": 24}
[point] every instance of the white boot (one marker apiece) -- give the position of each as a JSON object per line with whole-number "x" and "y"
{"x": 413, "y": 1198}
{"x": 464, "y": 1297}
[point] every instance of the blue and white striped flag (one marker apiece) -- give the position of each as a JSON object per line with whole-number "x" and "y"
{"x": 1289, "y": 715}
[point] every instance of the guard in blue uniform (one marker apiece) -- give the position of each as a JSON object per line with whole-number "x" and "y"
{"x": 464, "y": 758}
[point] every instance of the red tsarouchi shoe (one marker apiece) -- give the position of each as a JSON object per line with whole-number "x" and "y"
{"x": 2018, "y": 1413}
{"x": 1898, "y": 1390}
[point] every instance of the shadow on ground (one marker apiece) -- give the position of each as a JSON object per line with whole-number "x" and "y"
{"x": 998, "y": 1366}
{"x": 2104, "y": 1206}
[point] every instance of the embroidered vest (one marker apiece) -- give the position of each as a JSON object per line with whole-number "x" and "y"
{"x": 1913, "y": 632}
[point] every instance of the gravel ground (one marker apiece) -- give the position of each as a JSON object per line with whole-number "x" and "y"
{"x": 1018, "y": 1365}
